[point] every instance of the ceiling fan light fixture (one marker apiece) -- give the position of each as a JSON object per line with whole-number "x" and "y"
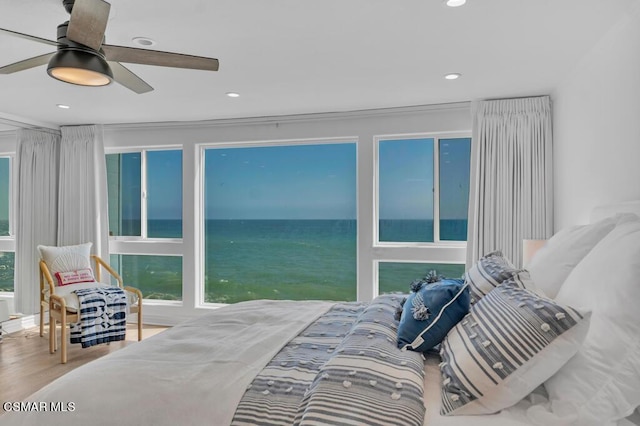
{"x": 81, "y": 67}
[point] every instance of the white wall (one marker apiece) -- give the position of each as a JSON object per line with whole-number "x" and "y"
{"x": 597, "y": 126}
{"x": 8, "y": 142}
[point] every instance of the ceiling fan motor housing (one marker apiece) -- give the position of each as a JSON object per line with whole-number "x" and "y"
{"x": 76, "y": 56}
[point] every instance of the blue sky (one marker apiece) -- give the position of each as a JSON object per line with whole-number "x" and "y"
{"x": 406, "y": 179}
{"x": 281, "y": 182}
{"x": 164, "y": 184}
{"x": 305, "y": 181}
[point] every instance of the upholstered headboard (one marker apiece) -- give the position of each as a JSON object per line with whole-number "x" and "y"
{"x": 606, "y": 210}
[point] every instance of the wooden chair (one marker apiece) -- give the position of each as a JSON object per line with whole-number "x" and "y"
{"x": 62, "y": 311}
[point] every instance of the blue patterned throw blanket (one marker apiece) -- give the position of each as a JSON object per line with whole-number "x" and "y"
{"x": 345, "y": 368}
{"x": 103, "y": 316}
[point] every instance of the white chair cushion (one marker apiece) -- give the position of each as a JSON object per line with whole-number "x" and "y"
{"x": 70, "y": 298}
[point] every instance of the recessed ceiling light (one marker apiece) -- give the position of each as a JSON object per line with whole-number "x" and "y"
{"x": 143, "y": 41}
{"x": 455, "y": 3}
{"x": 62, "y": 106}
{"x": 233, "y": 94}
{"x": 453, "y": 76}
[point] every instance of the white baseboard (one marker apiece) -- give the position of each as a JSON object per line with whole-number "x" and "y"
{"x": 18, "y": 324}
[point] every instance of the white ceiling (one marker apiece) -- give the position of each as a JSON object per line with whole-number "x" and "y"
{"x": 293, "y": 57}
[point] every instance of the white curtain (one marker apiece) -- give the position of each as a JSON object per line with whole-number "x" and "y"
{"x": 82, "y": 199}
{"x": 37, "y": 218}
{"x": 511, "y": 195}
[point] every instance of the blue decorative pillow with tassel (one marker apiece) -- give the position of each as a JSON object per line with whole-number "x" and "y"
{"x": 430, "y": 311}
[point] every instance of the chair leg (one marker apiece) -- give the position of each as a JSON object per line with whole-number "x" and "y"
{"x": 41, "y": 321}
{"x": 139, "y": 323}
{"x": 52, "y": 334}
{"x": 63, "y": 338}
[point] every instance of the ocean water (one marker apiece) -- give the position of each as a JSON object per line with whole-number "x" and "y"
{"x": 282, "y": 259}
{"x": 275, "y": 259}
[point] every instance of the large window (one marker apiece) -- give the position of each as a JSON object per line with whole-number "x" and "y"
{"x": 7, "y": 257}
{"x": 145, "y": 203}
{"x": 423, "y": 189}
{"x": 280, "y": 222}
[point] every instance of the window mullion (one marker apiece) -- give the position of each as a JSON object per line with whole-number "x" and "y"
{"x": 12, "y": 199}
{"x": 436, "y": 190}
{"x": 143, "y": 194}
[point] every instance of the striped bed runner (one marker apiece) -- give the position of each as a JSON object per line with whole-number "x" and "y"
{"x": 103, "y": 316}
{"x": 345, "y": 368}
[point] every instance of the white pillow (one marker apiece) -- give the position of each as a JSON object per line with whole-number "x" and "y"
{"x": 66, "y": 258}
{"x": 510, "y": 343}
{"x": 602, "y": 382}
{"x": 553, "y": 263}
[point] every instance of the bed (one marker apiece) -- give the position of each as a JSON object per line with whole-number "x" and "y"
{"x": 316, "y": 362}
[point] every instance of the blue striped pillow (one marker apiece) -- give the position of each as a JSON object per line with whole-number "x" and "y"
{"x": 511, "y": 341}
{"x": 488, "y": 273}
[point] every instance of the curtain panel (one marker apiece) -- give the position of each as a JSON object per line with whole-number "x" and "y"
{"x": 37, "y": 208}
{"x": 82, "y": 194}
{"x": 511, "y": 195}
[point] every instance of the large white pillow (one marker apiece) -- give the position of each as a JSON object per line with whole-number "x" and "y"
{"x": 66, "y": 258}
{"x": 553, "y": 263}
{"x": 602, "y": 382}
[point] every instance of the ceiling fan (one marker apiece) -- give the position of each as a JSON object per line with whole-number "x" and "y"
{"x": 82, "y": 57}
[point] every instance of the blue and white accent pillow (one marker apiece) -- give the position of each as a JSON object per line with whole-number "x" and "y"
{"x": 488, "y": 273}
{"x": 430, "y": 312}
{"x": 511, "y": 341}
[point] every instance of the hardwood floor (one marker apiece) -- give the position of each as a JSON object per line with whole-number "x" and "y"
{"x": 26, "y": 364}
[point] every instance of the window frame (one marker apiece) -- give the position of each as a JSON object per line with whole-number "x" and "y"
{"x": 143, "y": 193}
{"x": 200, "y": 196}
{"x": 437, "y": 242}
{"x": 8, "y": 242}
{"x": 134, "y": 245}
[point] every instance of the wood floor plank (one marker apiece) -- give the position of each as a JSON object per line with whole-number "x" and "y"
{"x": 26, "y": 364}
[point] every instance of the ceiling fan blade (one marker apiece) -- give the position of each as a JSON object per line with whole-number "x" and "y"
{"x": 134, "y": 55}
{"x": 29, "y": 37}
{"x": 36, "y": 61}
{"x": 124, "y": 76}
{"x": 88, "y": 22}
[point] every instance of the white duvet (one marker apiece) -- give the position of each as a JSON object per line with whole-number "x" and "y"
{"x": 192, "y": 374}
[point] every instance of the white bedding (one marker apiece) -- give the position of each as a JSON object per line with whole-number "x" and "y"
{"x": 197, "y": 372}
{"x": 178, "y": 377}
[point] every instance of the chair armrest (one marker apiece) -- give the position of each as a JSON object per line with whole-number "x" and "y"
{"x": 100, "y": 262}
{"x": 57, "y": 300}
{"x": 136, "y": 292}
